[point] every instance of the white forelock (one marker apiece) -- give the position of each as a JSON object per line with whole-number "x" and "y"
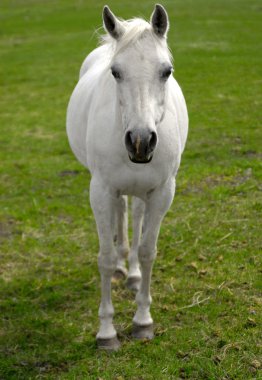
{"x": 134, "y": 31}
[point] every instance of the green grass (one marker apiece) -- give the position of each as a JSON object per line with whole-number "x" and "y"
{"x": 207, "y": 278}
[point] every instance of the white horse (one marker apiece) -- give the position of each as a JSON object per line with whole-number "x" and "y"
{"x": 127, "y": 123}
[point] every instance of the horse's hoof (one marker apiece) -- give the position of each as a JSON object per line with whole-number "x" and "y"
{"x": 119, "y": 274}
{"x": 111, "y": 344}
{"x": 143, "y": 332}
{"x": 133, "y": 283}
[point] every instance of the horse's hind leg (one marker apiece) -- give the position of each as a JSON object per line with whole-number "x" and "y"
{"x": 122, "y": 236}
{"x": 104, "y": 208}
{"x": 134, "y": 274}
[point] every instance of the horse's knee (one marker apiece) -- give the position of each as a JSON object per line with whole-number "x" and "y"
{"x": 107, "y": 262}
{"x": 146, "y": 254}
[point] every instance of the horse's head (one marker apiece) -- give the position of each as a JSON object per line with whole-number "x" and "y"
{"x": 141, "y": 66}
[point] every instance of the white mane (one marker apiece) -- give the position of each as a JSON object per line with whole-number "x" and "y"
{"x": 135, "y": 30}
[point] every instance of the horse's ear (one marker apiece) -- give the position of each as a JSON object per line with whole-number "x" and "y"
{"x": 159, "y": 21}
{"x": 111, "y": 24}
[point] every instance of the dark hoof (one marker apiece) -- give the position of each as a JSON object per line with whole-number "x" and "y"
{"x": 119, "y": 274}
{"x": 143, "y": 332}
{"x": 133, "y": 283}
{"x": 111, "y": 344}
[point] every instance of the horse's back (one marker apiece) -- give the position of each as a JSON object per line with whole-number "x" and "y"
{"x": 94, "y": 57}
{"x": 177, "y": 101}
{"x": 80, "y": 102}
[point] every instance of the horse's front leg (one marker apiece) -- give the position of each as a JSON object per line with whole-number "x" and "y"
{"x": 156, "y": 207}
{"x": 104, "y": 208}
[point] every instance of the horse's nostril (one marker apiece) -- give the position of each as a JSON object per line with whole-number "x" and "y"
{"x": 128, "y": 140}
{"x": 152, "y": 141}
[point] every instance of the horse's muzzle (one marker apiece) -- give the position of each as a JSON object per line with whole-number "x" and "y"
{"x": 140, "y": 144}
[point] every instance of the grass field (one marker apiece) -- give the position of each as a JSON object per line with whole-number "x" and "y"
{"x": 207, "y": 283}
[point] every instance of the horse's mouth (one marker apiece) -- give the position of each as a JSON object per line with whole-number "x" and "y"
{"x": 137, "y": 160}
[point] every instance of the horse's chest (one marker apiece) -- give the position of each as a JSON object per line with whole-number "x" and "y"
{"x": 129, "y": 182}
{"x": 133, "y": 179}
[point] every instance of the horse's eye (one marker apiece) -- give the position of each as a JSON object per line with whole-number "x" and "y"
{"x": 166, "y": 73}
{"x": 116, "y": 74}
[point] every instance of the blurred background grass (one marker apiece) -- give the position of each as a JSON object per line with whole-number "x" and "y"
{"x": 207, "y": 278}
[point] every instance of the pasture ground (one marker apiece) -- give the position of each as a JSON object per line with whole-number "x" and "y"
{"x": 207, "y": 277}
